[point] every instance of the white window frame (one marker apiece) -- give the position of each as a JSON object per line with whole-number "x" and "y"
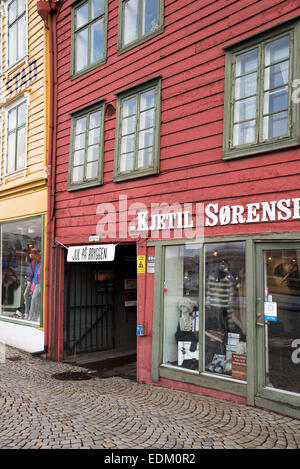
{"x": 24, "y": 98}
{"x": 11, "y": 67}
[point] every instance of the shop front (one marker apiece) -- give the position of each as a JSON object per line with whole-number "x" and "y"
{"x": 226, "y": 314}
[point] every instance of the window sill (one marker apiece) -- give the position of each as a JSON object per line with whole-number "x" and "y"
{"x": 142, "y": 40}
{"x": 84, "y": 185}
{"x": 17, "y": 64}
{"x": 134, "y": 175}
{"x": 253, "y": 150}
{"x": 75, "y": 75}
{"x": 20, "y": 322}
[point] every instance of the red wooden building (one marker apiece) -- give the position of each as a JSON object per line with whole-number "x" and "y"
{"x": 174, "y": 207}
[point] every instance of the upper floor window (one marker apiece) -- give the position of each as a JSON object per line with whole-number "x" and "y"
{"x": 89, "y": 19}
{"x": 139, "y": 20}
{"x": 260, "y": 112}
{"x": 86, "y": 149}
{"x": 16, "y": 137}
{"x": 138, "y": 131}
{"x": 16, "y": 31}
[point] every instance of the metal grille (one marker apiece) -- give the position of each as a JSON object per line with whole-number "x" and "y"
{"x": 89, "y": 309}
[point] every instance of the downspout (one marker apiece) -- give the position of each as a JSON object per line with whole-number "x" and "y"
{"x": 48, "y": 12}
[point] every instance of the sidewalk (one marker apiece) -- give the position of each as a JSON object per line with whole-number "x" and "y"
{"x": 39, "y": 411}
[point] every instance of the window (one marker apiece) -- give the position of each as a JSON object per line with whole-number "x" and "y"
{"x": 86, "y": 150}
{"x": 16, "y": 138}
{"x": 21, "y": 269}
{"x": 139, "y": 21}
{"x": 137, "y": 139}
{"x": 89, "y": 20}
{"x": 16, "y": 30}
{"x": 260, "y": 112}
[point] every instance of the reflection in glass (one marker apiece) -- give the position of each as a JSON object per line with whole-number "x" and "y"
{"x": 130, "y": 21}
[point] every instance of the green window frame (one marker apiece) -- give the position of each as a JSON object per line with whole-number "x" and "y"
{"x": 16, "y": 138}
{"x": 16, "y": 31}
{"x": 89, "y": 36}
{"x": 139, "y": 21}
{"x": 261, "y": 111}
{"x": 86, "y": 148}
{"x": 138, "y": 131}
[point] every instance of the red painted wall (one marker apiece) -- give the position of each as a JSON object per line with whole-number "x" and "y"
{"x": 190, "y": 58}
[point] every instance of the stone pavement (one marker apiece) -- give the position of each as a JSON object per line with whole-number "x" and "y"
{"x": 38, "y": 411}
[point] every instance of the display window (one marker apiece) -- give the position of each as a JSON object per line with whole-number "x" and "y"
{"x": 218, "y": 322}
{"x": 21, "y": 252}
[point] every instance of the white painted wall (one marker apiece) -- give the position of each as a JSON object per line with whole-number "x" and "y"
{"x": 22, "y": 337}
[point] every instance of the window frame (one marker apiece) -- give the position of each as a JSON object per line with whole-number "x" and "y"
{"x": 259, "y": 41}
{"x": 10, "y": 66}
{"x": 15, "y": 104}
{"x": 155, "y": 83}
{"x": 121, "y": 48}
{"x": 71, "y": 186}
{"x": 77, "y": 4}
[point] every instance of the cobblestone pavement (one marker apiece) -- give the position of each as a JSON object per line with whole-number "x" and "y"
{"x": 38, "y": 411}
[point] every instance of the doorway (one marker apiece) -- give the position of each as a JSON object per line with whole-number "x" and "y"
{"x": 278, "y": 322}
{"x": 100, "y": 313}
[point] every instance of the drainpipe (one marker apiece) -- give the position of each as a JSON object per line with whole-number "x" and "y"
{"x": 48, "y": 11}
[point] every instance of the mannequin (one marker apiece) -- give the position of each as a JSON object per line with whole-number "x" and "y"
{"x": 33, "y": 260}
{"x": 35, "y": 291}
{"x": 188, "y": 324}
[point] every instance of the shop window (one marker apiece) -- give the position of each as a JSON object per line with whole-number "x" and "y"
{"x": 16, "y": 31}
{"x": 139, "y": 20}
{"x": 89, "y": 24}
{"x": 261, "y": 111}
{"x": 137, "y": 139}
{"x": 86, "y": 149}
{"x": 16, "y": 121}
{"x": 225, "y": 309}
{"x": 21, "y": 270}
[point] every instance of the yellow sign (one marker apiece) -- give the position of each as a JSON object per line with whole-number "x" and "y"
{"x": 141, "y": 262}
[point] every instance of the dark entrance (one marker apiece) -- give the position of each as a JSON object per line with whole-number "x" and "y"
{"x": 101, "y": 305}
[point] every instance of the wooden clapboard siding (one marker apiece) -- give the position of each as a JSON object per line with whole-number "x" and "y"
{"x": 34, "y": 178}
{"x": 190, "y": 58}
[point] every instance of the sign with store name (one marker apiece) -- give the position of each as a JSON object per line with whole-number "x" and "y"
{"x": 22, "y": 78}
{"x": 92, "y": 253}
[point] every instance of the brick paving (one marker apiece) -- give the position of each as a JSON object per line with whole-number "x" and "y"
{"x": 38, "y": 411}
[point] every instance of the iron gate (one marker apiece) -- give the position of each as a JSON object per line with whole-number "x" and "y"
{"x": 89, "y": 311}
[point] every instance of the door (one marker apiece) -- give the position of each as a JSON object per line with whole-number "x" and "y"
{"x": 278, "y": 322}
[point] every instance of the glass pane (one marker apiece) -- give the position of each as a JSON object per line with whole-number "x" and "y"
{"x": 147, "y": 100}
{"x": 245, "y": 86}
{"x": 92, "y": 170}
{"x": 181, "y": 313}
{"x": 150, "y": 15}
{"x": 276, "y": 125}
{"x": 95, "y": 120}
{"x": 244, "y": 133}
{"x": 77, "y": 174}
{"x": 282, "y": 333}
{"x": 21, "y": 269}
{"x": 145, "y": 157}
{"x": 12, "y": 44}
{"x": 96, "y": 50}
{"x": 11, "y": 153}
{"x": 81, "y": 49}
{"x": 82, "y": 15}
{"x": 97, "y": 7}
{"x": 126, "y": 162}
{"x": 21, "y": 7}
{"x": 225, "y": 309}
{"x": 246, "y": 63}
{"x": 276, "y": 100}
{"x": 12, "y": 11}
{"x": 127, "y": 144}
{"x": 80, "y": 125}
{"x": 12, "y": 119}
{"x": 21, "y": 149}
{"x": 21, "y": 114}
{"x": 93, "y": 153}
{"x": 147, "y": 119}
{"x": 129, "y": 107}
{"x": 245, "y": 109}
{"x": 146, "y": 138}
{"x": 130, "y": 27}
{"x": 277, "y": 50}
{"x": 94, "y": 136}
{"x": 78, "y": 158}
{"x": 21, "y": 38}
{"x": 277, "y": 75}
{"x": 79, "y": 142}
{"x": 128, "y": 125}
